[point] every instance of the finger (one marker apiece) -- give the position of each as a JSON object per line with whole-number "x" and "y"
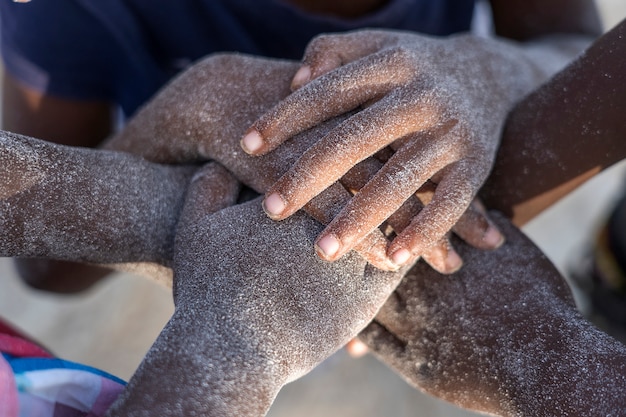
{"x": 442, "y": 257}
{"x": 384, "y": 343}
{"x": 333, "y": 94}
{"x": 372, "y": 248}
{"x": 356, "y": 348}
{"x": 476, "y": 228}
{"x": 401, "y": 218}
{"x": 452, "y": 197}
{"x": 398, "y": 180}
{"x": 360, "y": 174}
{"x": 212, "y": 188}
{"x": 357, "y": 138}
{"x": 327, "y": 52}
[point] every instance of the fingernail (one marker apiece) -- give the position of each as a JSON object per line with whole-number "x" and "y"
{"x": 302, "y": 76}
{"x": 274, "y": 205}
{"x": 328, "y": 245}
{"x": 493, "y": 237}
{"x": 252, "y": 141}
{"x": 401, "y": 256}
{"x": 453, "y": 261}
{"x": 356, "y": 348}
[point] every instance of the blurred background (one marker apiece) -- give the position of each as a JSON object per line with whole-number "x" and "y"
{"x": 113, "y": 325}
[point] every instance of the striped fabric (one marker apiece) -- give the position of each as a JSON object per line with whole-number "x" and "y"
{"x": 35, "y": 384}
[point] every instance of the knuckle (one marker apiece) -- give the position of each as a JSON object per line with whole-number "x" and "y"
{"x": 321, "y": 44}
{"x": 401, "y": 55}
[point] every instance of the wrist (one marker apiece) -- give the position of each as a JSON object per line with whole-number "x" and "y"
{"x": 201, "y": 366}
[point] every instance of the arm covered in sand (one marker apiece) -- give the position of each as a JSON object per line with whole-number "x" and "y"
{"x": 79, "y": 204}
{"x": 247, "y": 321}
{"x": 502, "y": 336}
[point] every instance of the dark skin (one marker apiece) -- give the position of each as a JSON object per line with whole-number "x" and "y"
{"x": 68, "y": 122}
{"x": 83, "y": 123}
{"x": 496, "y": 351}
{"x": 439, "y": 106}
{"x": 590, "y": 126}
{"x": 519, "y": 349}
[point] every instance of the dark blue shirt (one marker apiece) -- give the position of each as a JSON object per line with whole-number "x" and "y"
{"x": 123, "y": 51}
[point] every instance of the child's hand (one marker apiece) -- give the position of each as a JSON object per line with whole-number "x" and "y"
{"x": 502, "y": 336}
{"x": 202, "y": 114}
{"x": 440, "y": 103}
{"x": 248, "y": 321}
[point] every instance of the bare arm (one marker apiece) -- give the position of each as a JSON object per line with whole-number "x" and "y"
{"x": 85, "y": 205}
{"x": 69, "y": 122}
{"x": 564, "y": 133}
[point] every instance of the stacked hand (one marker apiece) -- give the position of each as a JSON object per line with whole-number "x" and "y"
{"x": 244, "y": 327}
{"x": 501, "y": 336}
{"x": 439, "y": 103}
{"x": 248, "y": 321}
{"x": 444, "y": 123}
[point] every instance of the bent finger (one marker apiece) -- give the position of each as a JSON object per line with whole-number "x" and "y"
{"x": 357, "y": 138}
{"x": 383, "y": 195}
{"x": 372, "y": 248}
{"x": 442, "y": 257}
{"x": 333, "y": 94}
{"x": 477, "y": 229}
{"x": 451, "y": 199}
{"x": 212, "y": 188}
{"x": 329, "y": 51}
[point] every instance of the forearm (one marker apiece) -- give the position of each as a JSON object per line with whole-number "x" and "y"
{"x": 564, "y": 133}
{"x": 85, "y": 205}
{"x": 210, "y": 371}
{"x": 580, "y": 371}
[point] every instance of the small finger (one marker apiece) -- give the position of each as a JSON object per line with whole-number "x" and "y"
{"x": 330, "y": 51}
{"x": 384, "y": 194}
{"x": 373, "y": 248}
{"x": 356, "y": 348}
{"x": 212, "y": 188}
{"x": 384, "y": 343}
{"x": 442, "y": 257}
{"x": 476, "y": 228}
{"x": 331, "y": 95}
{"x": 360, "y": 174}
{"x": 450, "y": 200}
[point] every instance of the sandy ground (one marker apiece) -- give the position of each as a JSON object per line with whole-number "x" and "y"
{"x": 113, "y": 325}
